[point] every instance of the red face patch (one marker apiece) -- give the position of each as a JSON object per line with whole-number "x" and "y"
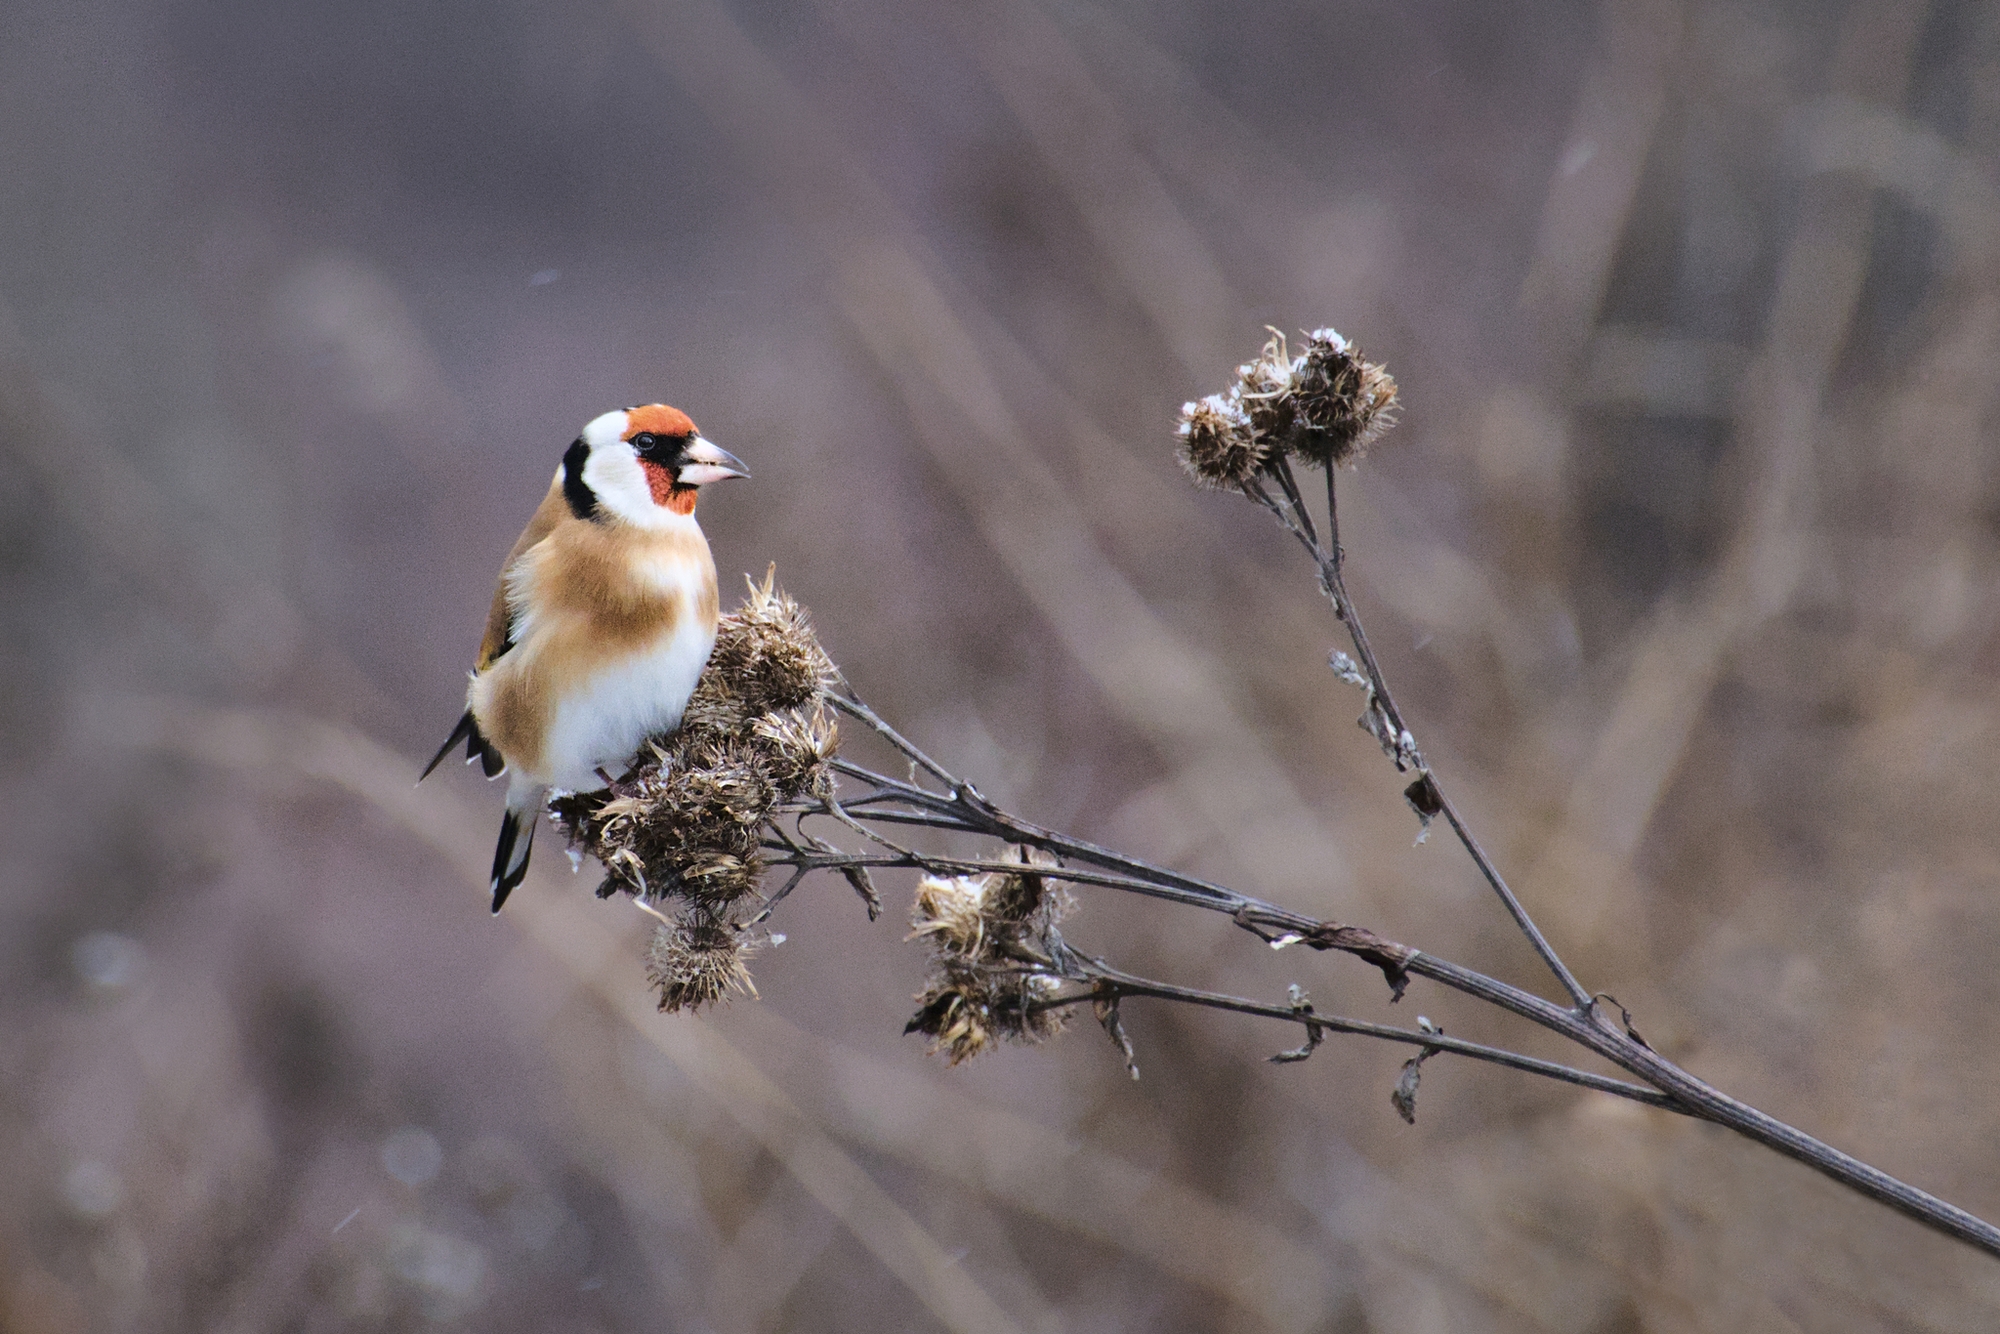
{"x": 666, "y": 491}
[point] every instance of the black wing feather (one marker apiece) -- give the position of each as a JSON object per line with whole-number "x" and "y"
{"x": 477, "y": 747}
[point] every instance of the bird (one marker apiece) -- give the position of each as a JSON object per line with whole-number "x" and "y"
{"x": 604, "y": 617}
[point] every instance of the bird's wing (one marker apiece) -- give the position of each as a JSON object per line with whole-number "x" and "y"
{"x": 499, "y": 620}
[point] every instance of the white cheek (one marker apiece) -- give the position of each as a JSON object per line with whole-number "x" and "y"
{"x": 613, "y": 474}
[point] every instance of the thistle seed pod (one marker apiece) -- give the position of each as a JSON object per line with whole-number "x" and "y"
{"x": 766, "y": 656}
{"x": 1264, "y": 387}
{"x": 1341, "y": 402}
{"x": 949, "y": 913}
{"x": 796, "y": 749}
{"x": 1218, "y": 447}
{"x": 967, "y": 1009}
{"x": 696, "y": 961}
{"x": 688, "y": 822}
{"x": 1327, "y": 405}
{"x": 992, "y": 938}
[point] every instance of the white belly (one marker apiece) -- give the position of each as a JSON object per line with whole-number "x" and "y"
{"x": 603, "y": 723}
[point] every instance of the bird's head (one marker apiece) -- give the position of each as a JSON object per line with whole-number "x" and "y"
{"x": 643, "y": 465}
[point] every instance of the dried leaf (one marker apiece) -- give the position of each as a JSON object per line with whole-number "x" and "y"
{"x": 1426, "y": 801}
{"x": 1404, "y": 1096}
{"x": 1106, "y": 1009}
{"x": 857, "y": 876}
{"x": 1391, "y": 958}
{"x": 1302, "y": 1007}
{"x": 1624, "y": 1017}
{"x": 1347, "y": 670}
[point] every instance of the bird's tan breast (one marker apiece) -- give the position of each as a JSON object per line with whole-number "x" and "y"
{"x": 587, "y": 598}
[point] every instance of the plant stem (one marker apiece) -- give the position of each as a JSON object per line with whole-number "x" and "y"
{"x": 1124, "y": 984}
{"x": 963, "y": 810}
{"x": 1331, "y": 566}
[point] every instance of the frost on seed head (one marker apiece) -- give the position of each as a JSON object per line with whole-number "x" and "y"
{"x": 993, "y": 941}
{"x": 1342, "y": 403}
{"x": 1265, "y": 388}
{"x": 1326, "y": 405}
{"x": 685, "y": 826}
{"x": 1218, "y": 448}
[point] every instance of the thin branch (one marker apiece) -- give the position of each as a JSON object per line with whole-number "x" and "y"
{"x": 905, "y": 859}
{"x": 851, "y": 704}
{"x": 1114, "y": 982}
{"x": 1330, "y": 565}
{"x": 1281, "y": 468}
{"x": 771, "y": 903}
{"x": 1711, "y": 1104}
{"x": 1333, "y": 521}
{"x": 965, "y": 811}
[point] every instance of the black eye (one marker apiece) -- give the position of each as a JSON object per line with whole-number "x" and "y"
{"x": 657, "y": 448}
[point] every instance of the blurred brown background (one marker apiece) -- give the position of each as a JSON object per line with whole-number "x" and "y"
{"x": 1683, "y": 560}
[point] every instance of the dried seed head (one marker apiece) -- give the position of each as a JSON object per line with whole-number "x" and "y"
{"x": 992, "y": 938}
{"x": 696, "y": 962}
{"x": 1341, "y": 401}
{"x": 1024, "y": 902}
{"x": 766, "y": 656}
{"x": 796, "y": 749}
{"x": 967, "y": 1009}
{"x": 953, "y": 1013}
{"x": 693, "y": 822}
{"x": 715, "y": 709}
{"x": 1328, "y": 404}
{"x": 987, "y": 916}
{"x": 1265, "y": 387}
{"x": 712, "y": 877}
{"x": 950, "y": 911}
{"x": 1218, "y": 447}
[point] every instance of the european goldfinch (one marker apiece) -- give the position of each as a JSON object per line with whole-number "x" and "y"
{"x": 603, "y": 620}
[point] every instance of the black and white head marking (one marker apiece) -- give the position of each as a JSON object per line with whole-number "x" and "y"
{"x": 582, "y": 500}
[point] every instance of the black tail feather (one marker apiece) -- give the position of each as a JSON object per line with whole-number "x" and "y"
{"x": 490, "y": 762}
{"x": 506, "y": 872}
{"x": 477, "y": 747}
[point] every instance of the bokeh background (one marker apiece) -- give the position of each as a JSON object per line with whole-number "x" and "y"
{"x": 1683, "y": 560}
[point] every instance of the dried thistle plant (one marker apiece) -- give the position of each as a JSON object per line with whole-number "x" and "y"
{"x": 685, "y": 827}
{"x": 993, "y": 941}
{"x": 697, "y": 960}
{"x": 1219, "y": 449}
{"x": 754, "y": 780}
{"x": 1341, "y": 401}
{"x": 1326, "y": 406}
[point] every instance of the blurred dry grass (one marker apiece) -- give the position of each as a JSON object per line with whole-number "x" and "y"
{"x": 1684, "y": 557}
